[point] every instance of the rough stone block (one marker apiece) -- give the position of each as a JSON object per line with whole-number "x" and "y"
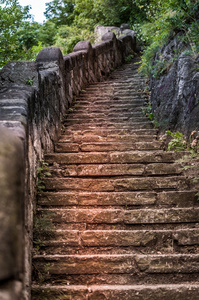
{"x": 167, "y": 216}
{"x": 19, "y": 72}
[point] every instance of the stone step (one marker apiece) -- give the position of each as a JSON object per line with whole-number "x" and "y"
{"x": 126, "y": 199}
{"x": 107, "y": 147}
{"x": 104, "y": 126}
{"x": 158, "y": 240}
{"x": 186, "y": 291}
{"x": 117, "y": 184}
{"x": 111, "y": 170}
{"x": 104, "y": 139}
{"x": 112, "y": 131}
{"x": 98, "y": 119}
{"x": 121, "y": 123}
{"x": 122, "y": 216}
{"x": 106, "y": 114}
{"x": 135, "y": 97}
{"x": 114, "y": 157}
{"x": 108, "y": 106}
{"x": 157, "y": 266}
{"x": 109, "y": 110}
{"x": 112, "y": 101}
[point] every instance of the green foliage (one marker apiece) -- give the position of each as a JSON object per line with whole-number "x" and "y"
{"x": 190, "y": 162}
{"x": 43, "y": 228}
{"x": 171, "y": 17}
{"x": 42, "y": 173}
{"x": 129, "y": 58}
{"x": 68, "y": 36}
{"x": 29, "y": 82}
{"x": 32, "y": 53}
{"x": 60, "y": 12}
{"x": 11, "y": 16}
{"x": 178, "y": 143}
{"x": 147, "y": 111}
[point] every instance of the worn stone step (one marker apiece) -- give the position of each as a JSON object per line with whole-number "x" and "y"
{"x": 111, "y": 114}
{"x": 105, "y": 124}
{"x": 122, "y": 216}
{"x": 86, "y": 121}
{"x": 138, "y": 129}
{"x": 105, "y": 114}
{"x": 117, "y": 184}
{"x": 137, "y": 199}
{"x": 91, "y": 126}
{"x": 111, "y": 170}
{"x": 95, "y": 118}
{"x": 118, "y": 264}
{"x": 136, "y": 98}
{"x": 158, "y": 156}
{"x": 157, "y": 239}
{"x": 107, "y": 147}
{"x": 112, "y": 138}
{"x": 109, "y": 106}
{"x": 112, "y": 101}
{"x": 109, "y": 118}
{"x": 122, "y": 292}
{"x": 109, "y": 110}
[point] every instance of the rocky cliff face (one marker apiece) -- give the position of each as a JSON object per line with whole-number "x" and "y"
{"x": 175, "y": 91}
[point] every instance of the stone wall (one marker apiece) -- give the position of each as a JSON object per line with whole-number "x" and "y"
{"x": 175, "y": 94}
{"x": 34, "y": 98}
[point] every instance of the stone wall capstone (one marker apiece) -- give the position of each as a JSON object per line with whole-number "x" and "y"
{"x": 34, "y": 98}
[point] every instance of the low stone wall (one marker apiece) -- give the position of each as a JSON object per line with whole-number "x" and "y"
{"x": 34, "y": 98}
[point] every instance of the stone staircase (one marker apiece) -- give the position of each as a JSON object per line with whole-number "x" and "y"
{"x": 123, "y": 218}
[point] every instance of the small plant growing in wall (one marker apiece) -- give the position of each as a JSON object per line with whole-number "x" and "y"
{"x": 29, "y": 82}
{"x": 42, "y": 276}
{"x": 190, "y": 161}
{"x": 42, "y": 173}
{"x": 147, "y": 111}
{"x": 43, "y": 229}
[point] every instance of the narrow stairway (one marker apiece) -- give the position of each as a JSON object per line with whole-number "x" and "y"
{"x": 117, "y": 220}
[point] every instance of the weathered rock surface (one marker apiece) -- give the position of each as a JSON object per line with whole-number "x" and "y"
{"x": 175, "y": 94}
{"x": 124, "y": 217}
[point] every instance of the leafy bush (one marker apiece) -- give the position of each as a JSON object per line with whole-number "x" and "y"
{"x": 178, "y": 143}
{"x": 68, "y": 36}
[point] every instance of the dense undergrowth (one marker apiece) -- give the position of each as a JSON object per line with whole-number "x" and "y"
{"x": 173, "y": 17}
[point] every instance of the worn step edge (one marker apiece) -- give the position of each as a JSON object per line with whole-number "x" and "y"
{"x": 188, "y": 291}
{"x": 122, "y": 216}
{"x": 117, "y": 184}
{"x": 158, "y": 156}
{"x": 174, "y": 198}
{"x": 104, "y": 139}
{"x": 107, "y": 147}
{"x": 119, "y": 263}
{"x": 111, "y": 170}
{"x": 122, "y": 238}
{"x": 143, "y": 128}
